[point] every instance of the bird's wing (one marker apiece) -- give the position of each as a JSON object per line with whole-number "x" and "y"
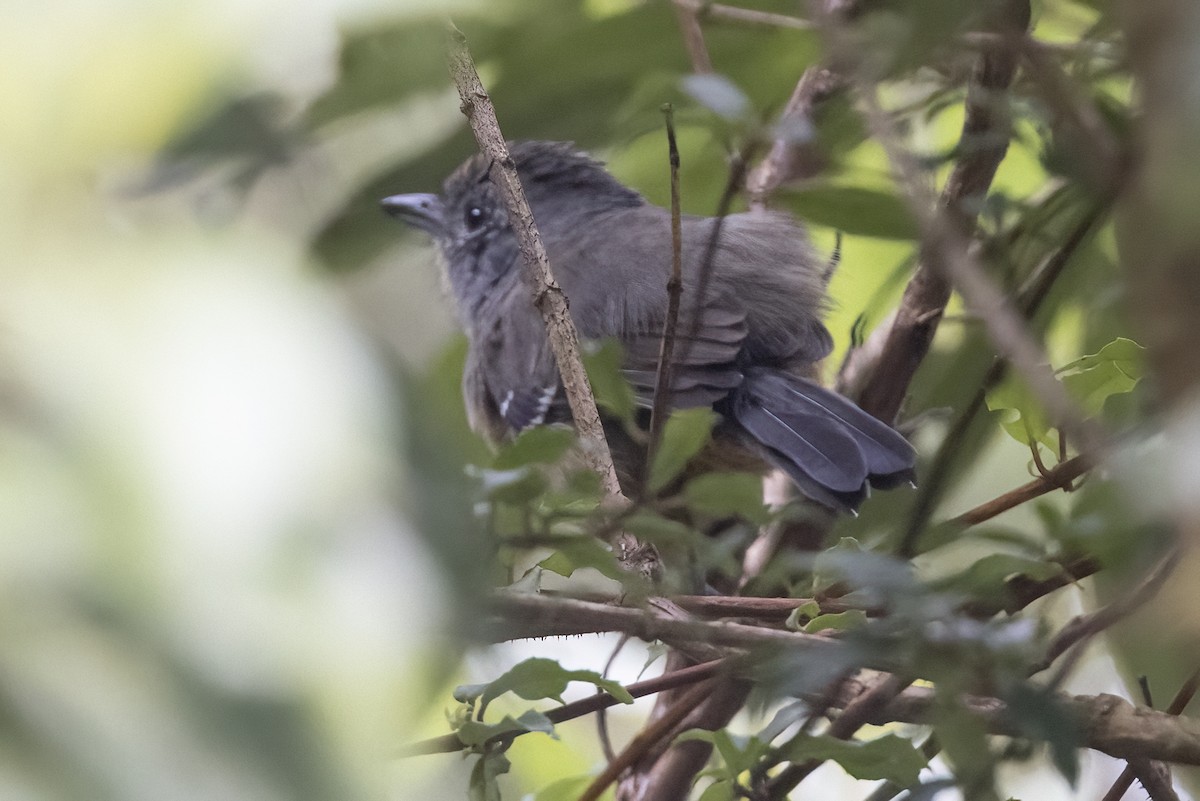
{"x": 704, "y": 364}
{"x": 511, "y": 381}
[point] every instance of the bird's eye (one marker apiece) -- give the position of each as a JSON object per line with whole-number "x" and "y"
{"x": 474, "y": 217}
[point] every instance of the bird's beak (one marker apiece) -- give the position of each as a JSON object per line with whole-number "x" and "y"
{"x": 421, "y": 210}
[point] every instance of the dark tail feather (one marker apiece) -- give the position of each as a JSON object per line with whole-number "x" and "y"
{"x": 832, "y": 449}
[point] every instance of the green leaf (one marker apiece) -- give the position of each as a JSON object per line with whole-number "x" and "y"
{"x": 544, "y": 678}
{"x": 840, "y": 621}
{"x": 476, "y": 733}
{"x": 727, "y": 495}
{"x": 890, "y": 758}
{"x": 987, "y": 576}
{"x": 603, "y": 360}
{"x": 687, "y": 431}
{"x": 488, "y": 768}
{"x": 854, "y": 210}
{"x": 517, "y": 486}
{"x": 1114, "y": 370}
{"x": 1039, "y": 714}
{"x": 802, "y": 614}
{"x": 567, "y": 789}
{"x": 717, "y": 791}
{"x": 580, "y": 552}
{"x": 536, "y": 445}
{"x": 656, "y": 529}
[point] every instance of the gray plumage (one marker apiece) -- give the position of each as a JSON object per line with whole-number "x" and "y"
{"x": 750, "y": 354}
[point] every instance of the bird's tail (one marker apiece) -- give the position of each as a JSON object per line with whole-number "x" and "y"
{"x": 832, "y": 449}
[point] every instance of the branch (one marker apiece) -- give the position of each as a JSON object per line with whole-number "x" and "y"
{"x": 1179, "y": 703}
{"x": 790, "y": 158}
{"x": 982, "y": 145}
{"x": 576, "y": 709}
{"x": 704, "y": 10}
{"x": 1107, "y": 723}
{"x": 947, "y": 254}
{"x": 647, "y": 737}
{"x": 1058, "y": 477}
{"x": 525, "y": 615}
{"x": 1084, "y": 627}
{"x": 693, "y": 39}
{"x": 547, "y": 294}
{"x": 662, "y": 382}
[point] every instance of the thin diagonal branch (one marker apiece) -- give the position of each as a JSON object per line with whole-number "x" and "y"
{"x": 662, "y": 383}
{"x": 547, "y": 294}
{"x": 1084, "y": 627}
{"x": 982, "y": 145}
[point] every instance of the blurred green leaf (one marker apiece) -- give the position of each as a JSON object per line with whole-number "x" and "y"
{"x": 687, "y": 431}
{"x": 839, "y": 621}
{"x": 1039, "y": 713}
{"x": 517, "y": 486}
{"x": 853, "y": 210}
{"x": 890, "y": 757}
{"x": 487, "y": 769}
{"x": 603, "y": 360}
{"x": 580, "y": 552}
{"x": 536, "y": 445}
{"x": 727, "y": 495}
{"x": 986, "y": 577}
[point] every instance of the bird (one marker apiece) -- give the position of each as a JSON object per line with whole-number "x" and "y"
{"x": 749, "y": 337}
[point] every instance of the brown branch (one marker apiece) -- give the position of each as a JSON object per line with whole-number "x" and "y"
{"x": 1084, "y": 627}
{"x": 948, "y": 256}
{"x": 1029, "y": 299}
{"x": 1178, "y": 704}
{"x": 547, "y": 294}
{"x": 525, "y": 615}
{"x": 1058, "y": 477}
{"x": 1107, "y": 723}
{"x": 982, "y": 146}
{"x": 647, "y": 737}
{"x": 662, "y": 382}
{"x": 790, "y": 158}
{"x": 693, "y": 39}
{"x": 704, "y": 10}
{"x": 585, "y": 706}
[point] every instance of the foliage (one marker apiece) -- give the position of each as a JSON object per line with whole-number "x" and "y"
{"x": 143, "y": 598}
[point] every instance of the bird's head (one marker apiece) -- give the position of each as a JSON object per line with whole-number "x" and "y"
{"x": 470, "y": 226}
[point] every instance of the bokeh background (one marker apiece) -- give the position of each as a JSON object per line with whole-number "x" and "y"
{"x": 237, "y": 546}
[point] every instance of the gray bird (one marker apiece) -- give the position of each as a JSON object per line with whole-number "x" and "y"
{"x": 748, "y": 349}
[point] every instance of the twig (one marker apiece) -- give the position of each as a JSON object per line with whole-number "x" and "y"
{"x": 1108, "y": 724}
{"x": 524, "y": 615}
{"x": 647, "y": 737}
{"x": 983, "y": 144}
{"x": 1029, "y": 300}
{"x": 1155, "y": 778}
{"x": 1178, "y": 704}
{"x": 693, "y": 39}
{"x": 1084, "y": 627}
{"x": 547, "y": 294}
{"x": 704, "y": 10}
{"x": 585, "y": 706}
{"x": 1056, "y": 477}
{"x": 949, "y": 257}
{"x": 601, "y": 714}
{"x": 662, "y": 383}
{"x": 787, "y": 157}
